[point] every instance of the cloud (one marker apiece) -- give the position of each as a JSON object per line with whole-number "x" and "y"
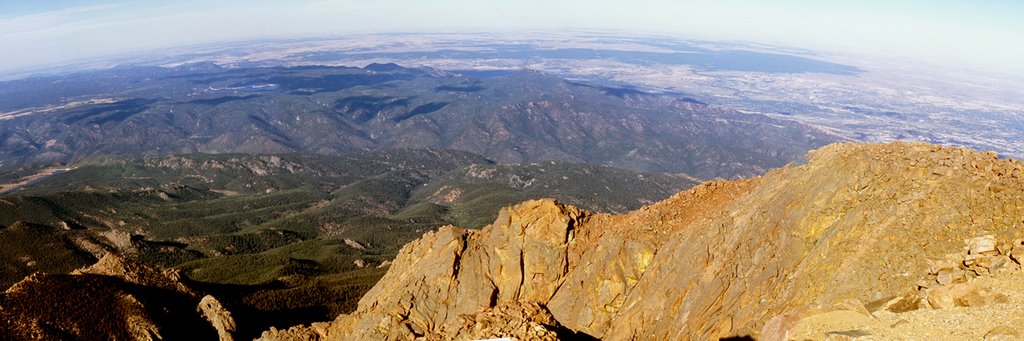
{"x": 129, "y": 26}
{"x": 54, "y": 22}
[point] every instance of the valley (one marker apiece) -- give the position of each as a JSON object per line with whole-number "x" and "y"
{"x": 859, "y": 241}
{"x": 289, "y": 238}
{"x": 563, "y": 184}
{"x": 290, "y": 194}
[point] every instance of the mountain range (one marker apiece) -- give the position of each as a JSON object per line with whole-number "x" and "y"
{"x": 511, "y": 117}
{"x": 860, "y": 241}
{"x": 286, "y": 238}
{"x": 253, "y": 201}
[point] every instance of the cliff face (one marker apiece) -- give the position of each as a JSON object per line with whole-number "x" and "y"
{"x": 856, "y": 221}
{"x": 523, "y": 257}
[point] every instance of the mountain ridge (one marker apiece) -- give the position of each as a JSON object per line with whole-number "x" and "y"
{"x": 524, "y": 116}
{"x": 856, "y": 221}
{"x": 286, "y": 238}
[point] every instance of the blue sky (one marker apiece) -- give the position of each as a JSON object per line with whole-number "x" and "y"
{"x": 980, "y": 34}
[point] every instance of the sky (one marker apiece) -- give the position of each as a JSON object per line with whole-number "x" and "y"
{"x": 979, "y": 34}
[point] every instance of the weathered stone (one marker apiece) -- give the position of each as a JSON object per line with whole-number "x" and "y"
{"x": 115, "y": 298}
{"x": 945, "y": 277}
{"x": 983, "y": 261}
{"x": 972, "y": 260}
{"x": 905, "y": 304}
{"x": 1004, "y": 248}
{"x": 983, "y": 244}
{"x": 971, "y": 299}
{"x": 945, "y": 297}
{"x": 936, "y": 265}
{"x": 962, "y": 295}
{"x": 132, "y": 272}
{"x": 1002, "y": 333}
{"x": 354, "y": 244}
{"x": 451, "y": 272}
{"x": 998, "y": 262}
{"x": 1017, "y": 254}
{"x": 508, "y": 320}
{"x": 219, "y": 317}
{"x": 980, "y": 269}
{"x": 297, "y": 333}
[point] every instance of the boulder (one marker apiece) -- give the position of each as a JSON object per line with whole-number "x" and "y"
{"x": 983, "y": 244}
{"x": 354, "y": 244}
{"x": 963, "y": 295}
{"x": 219, "y": 317}
{"x": 1017, "y": 254}
{"x": 998, "y": 262}
{"x": 1002, "y": 333}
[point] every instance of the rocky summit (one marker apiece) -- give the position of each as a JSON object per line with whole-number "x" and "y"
{"x": 862, "y": 229}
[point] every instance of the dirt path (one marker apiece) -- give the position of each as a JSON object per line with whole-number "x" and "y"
{"x": 42, "y": 174}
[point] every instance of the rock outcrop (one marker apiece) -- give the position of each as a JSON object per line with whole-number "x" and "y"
{"x": 114, "y": 299}
{"x": 958, "y": 300}
{"x": 218, "y": 316}
{"x": 521, "y": 258}
{"x": 854, "y": 223}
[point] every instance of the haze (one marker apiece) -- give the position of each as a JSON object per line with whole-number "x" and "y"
{"x": 981, "y": 35}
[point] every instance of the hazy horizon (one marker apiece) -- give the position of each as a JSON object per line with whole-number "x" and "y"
{"x": 979, "y": 35}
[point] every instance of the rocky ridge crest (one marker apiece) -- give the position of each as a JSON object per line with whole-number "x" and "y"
{"x": 114, "y": 299}
{"x": 854, "y": 222}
